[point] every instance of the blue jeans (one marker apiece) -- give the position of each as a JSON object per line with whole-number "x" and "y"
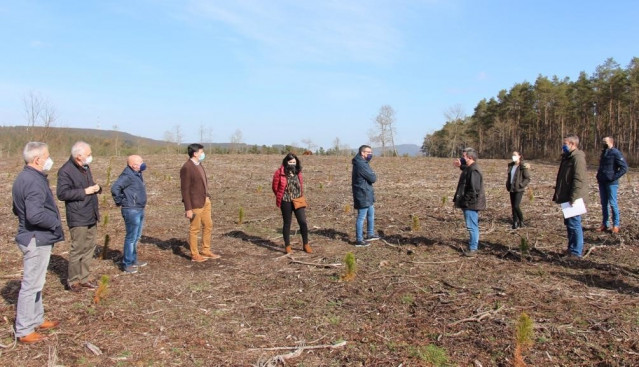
{"x": 608, "y": 196}
{"x": 133, "y": 221}
{"x": 369, "y": 214}
{"x": 575, "y": 235}
{"x": 472, "y": 224}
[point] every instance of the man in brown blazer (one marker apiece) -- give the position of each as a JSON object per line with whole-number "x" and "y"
{"x": 195, "y": 196}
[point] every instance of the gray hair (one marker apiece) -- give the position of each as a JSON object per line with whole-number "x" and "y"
{"x": 471, "y": 153}
{"x": 33, "y": 150}
{"x": 572, "y": 138}
{"x": 78, "y": 148}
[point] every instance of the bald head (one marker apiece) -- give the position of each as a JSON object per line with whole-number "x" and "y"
{"x": 134, "y": 161}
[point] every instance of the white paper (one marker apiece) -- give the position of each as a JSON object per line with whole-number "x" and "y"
{"x": 577, "y": 208}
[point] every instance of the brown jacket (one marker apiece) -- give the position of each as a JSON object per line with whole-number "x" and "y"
{"x": 194, "y": 189}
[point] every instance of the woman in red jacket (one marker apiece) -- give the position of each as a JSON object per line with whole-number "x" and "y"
{"x": 288, "y": 185}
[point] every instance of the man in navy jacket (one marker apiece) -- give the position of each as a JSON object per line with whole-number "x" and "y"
{"x": 611, "y": 167}
{"x": 39, "y": 227}
{"x": 363, "y": 179}
{"x": 129, "y": 193}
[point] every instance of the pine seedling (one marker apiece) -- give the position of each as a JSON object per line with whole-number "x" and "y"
{"x": 347, "y": 209}
{"x": 414, "y": 225}
{"x": 351, "y": 267}
{"x": 523, "y": 338}
{"x": 103, "y": 289}
{"x": 531, "y": 194}
{"x": 259, "y": 189}
{"x": 444, "y": 200}
{"x": 524, "y": 247}
{"x": 240, "y": 216}
{"x": 108, "y": 173}
{"x": 321, "y": 186}
{"x": 107, "y": 238}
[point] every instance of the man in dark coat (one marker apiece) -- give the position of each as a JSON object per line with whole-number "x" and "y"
{"x": 571, "y": 185}
{"x": 363, "y": 179}
{"x": 39, "y": 227}
{"x": 470, "y": 197}
{"x": 79, "y": 193}
{"x": 611, "y": 167}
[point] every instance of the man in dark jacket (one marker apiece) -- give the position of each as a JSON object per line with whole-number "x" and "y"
{"x": 363, "y": 179}
{"x": 79, "y": 193}
{"x": 129, "y": 193}
{"x": 611, "y": 167}
{"x": 39, "y": 227}
{"x": 571, "y": 185}
{"x": 470, "y": 197}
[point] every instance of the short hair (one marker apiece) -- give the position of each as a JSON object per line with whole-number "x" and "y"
{"x": 361, "y": 149}
{"x": 78, "y": 148}
{"x": 472, "y": 154}
{"x": 573, "y": 138}
{"x": 194, "y": 148}
{"x": 32, "y": 150}
{"x": 612, "y": 141}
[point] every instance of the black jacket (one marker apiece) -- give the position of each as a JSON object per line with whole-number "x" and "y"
{"x": 82, "y": 209}
{"x": 363, "y": 179}
{"x": 37, "y": 212}
{"x": 470, "y": 189}
{"x": 611, "y": 166}
{"x": 522, "y": 177}
{"x": 129, "y": 190}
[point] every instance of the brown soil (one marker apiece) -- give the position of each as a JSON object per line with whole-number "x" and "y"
{"x": 414, "y": 301}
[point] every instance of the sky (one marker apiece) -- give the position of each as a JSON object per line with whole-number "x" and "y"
{"x": 292, "y": 71}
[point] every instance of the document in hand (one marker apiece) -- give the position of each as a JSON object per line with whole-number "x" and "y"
{"x": 577, "y": 208}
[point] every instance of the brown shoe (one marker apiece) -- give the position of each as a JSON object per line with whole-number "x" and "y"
{"x": 288, "y": 249}
{"x": 308, "y": 249}
{"x": 210, "y": 255}
{"x": 89, "y": 285}
{"x": 198, "y": 258}
{"x": 602, "y": 228}
{"x": 48, "y": 325}
{"x": 75, "y": 287}
{"x": 32, "y": 338}
{"x": 615, "y": 229}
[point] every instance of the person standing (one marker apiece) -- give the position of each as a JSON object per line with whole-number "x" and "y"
{"x": 517, "y": 179}
{"x": 571, "y": 185}
{"x": 80, "y": 195}
{"x": 288, "y": 185}
{"x": 470, "y": 197}
{"x": 611, "y": 167}
{"x": 363, "y": 179}
{"x": 39, "y": 228}
{"x": 129, "y": 193}
{"x": 197, "y": 203}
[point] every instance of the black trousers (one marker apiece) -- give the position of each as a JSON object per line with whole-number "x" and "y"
{"x": 515, "y": 200}
{"x": 287, "y": 215}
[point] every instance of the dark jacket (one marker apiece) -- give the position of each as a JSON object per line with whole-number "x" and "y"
{"x": 470, "y": 189}
{"x": 572, "y": 180}
{"x": 611, "y": 166}
{"x": 194, "y": 189}
{"x": 522, "y": 177}
{"x": 82, "y": 209}
{"x": 363, "y": 179}
{"x": 128, "y": 190}
{"x": 37, "y": 212}
{"x": 280, "y": 182}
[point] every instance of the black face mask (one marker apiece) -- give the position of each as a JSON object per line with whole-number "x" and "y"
{"x": 290, "y": 168}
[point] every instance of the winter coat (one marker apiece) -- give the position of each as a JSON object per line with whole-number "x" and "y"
{"x": 129, "y": 190}
{"x": 82, "y": 209}
{"x": 611, "y": 166}
{"x": 37, "y": 212}
{"x": 470, "y": 189}
{"x": 280, "y": 182}
{"x": 194, "y": 189}
{"x": 363, "y": 179}
{"x": 572, "y": 180}
{"x": 522, "y": 177}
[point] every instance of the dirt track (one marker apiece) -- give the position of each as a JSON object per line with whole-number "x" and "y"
{"x": 412, "y": 297}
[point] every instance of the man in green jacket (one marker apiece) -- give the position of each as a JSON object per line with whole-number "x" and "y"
{"x": 571, "y": 185}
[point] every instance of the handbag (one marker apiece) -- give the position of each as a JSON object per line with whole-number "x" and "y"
{"x": 299, "y": 202}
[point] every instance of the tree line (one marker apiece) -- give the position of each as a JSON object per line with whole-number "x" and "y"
{"x": 533, "y": 118}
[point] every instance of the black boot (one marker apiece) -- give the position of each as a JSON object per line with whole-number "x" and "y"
{"x": 515, "y": 224}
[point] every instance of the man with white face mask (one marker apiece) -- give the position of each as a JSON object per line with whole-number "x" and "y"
{"x": 39, "y": 228}
{"x": 79, "y": 193}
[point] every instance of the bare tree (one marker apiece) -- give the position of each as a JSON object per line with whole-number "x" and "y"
{"x": 385, "y": 131}
{"x": 178, "y": 137}
{"x": 456, "y": 116}
{"x": 39, "y": 111}
{"x": 308, "y": 143}
{"x": 117, "y": 136}
{"x": 236, "y": 140}
{"x": 169, "y": 137}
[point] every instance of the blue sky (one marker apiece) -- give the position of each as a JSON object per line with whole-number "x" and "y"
{"x": 284, "y": 71}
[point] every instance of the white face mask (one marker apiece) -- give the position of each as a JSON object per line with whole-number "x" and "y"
{"x": 88, "y": 160}
{"x": 47, "y": 164}
{"x": 201, "y": 157}
{"x": 515, "y": 158}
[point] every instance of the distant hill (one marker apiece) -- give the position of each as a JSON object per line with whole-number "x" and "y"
{"x": 402, "y": 149}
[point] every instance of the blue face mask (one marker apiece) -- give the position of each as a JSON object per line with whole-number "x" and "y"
{"x": 369, "y": 157}
{"x": 202, "y": 156}
{"x": 565, "y": 148}
{"x": 142, "y": 167}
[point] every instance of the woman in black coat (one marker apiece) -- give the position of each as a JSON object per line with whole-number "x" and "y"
{"x": 517, "y": 179}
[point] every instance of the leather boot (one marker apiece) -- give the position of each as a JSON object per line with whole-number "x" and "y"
{"x": 308, "y": 249}
{"x": 288, "y": 249}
